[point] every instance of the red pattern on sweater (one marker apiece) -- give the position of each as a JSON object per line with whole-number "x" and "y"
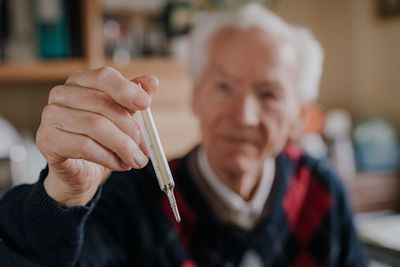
{"x": 306, "y": 201}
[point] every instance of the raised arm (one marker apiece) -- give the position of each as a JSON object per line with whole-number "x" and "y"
{"x": 87, "y": 131}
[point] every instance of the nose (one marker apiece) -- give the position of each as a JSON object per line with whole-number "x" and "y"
{"x": 248, "y": 111}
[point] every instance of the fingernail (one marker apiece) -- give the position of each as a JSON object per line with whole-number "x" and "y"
{"x": 141, "y": 98}
{"x": 141, "y": 159}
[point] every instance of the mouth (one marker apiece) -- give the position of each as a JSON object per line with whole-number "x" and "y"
{"x": 239, "y": 140}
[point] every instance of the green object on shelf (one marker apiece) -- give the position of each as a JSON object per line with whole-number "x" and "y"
{"x": 52, "y": 29}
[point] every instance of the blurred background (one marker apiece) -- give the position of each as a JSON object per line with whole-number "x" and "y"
{"x": 355, "y": 122}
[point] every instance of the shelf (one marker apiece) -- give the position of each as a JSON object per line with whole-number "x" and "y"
{"x": 39, "y": 71}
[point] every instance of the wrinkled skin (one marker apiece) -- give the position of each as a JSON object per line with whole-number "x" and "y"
{"x": 247, "y": 103}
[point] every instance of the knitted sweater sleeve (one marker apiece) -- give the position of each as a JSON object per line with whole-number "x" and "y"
{"x": 35, "y": 231}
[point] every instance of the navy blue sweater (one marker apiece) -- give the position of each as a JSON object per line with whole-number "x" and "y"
{"x": 129, "y": 223}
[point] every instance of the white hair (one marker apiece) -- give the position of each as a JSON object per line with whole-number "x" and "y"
{"x": 309, "y": 51}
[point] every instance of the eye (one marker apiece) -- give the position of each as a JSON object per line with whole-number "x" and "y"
{"x": 223, "y": 86}
{"x": 267, "y": 95}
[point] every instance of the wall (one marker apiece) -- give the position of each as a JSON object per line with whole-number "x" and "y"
{"x": 377, "y": 59}
{"x": 362, "y": 57}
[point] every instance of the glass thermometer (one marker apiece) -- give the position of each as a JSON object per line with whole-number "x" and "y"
{"x": 158, "y": 158}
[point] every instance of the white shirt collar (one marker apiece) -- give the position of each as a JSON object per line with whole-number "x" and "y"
{"x": 252, "y": 208}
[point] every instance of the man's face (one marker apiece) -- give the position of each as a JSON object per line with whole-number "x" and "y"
{"x": 247, "y": 100}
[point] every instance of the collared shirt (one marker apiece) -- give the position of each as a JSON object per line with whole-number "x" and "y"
{"x": 247, "y": 212}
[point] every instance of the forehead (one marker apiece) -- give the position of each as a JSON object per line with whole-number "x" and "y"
{"x": 252, "y": 53}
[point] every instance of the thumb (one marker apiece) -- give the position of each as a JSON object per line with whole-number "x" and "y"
{"x": 149, "y": 83}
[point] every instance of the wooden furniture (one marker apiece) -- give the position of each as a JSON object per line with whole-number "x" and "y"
{"x": 372, "y": 192}
{"x": 58, "y": 70}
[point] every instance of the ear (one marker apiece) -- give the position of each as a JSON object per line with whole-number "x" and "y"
{"x": 299, "y": 124}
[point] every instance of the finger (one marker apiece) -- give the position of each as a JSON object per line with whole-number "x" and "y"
{"x": 143, "y": 147}
{"x": 95, "y": 101}
{"x": 111, "y": 82}
{"x": 76, "y": 146}
{"x": 149, "y": 83}
{"x": 98, "y": 128}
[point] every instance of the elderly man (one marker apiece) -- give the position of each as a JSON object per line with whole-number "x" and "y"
{"x": 248, "y": 197}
